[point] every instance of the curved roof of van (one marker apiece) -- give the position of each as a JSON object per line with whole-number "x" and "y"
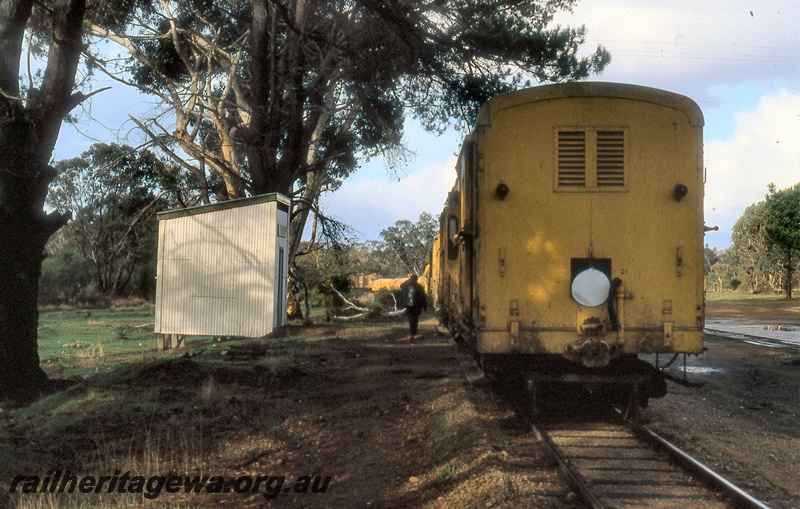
{"x": 591, "y": 89}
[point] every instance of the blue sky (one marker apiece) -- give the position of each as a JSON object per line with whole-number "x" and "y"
{"x": 739, "y": 60}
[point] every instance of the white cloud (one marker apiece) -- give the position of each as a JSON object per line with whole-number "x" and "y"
{"x": 764, "y": 148}
{"x": 687, "y": 46}
{"x": 371, "y": 205}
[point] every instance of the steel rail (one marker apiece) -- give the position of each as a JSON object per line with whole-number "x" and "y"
{"x": 753, "y": 339}
{"x": 573, "y": 478}
{"x": 738, "y": 497}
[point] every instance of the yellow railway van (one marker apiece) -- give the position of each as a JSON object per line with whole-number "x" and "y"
{"x": 572, "y": 240}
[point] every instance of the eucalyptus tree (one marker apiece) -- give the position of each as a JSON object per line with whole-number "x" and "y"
{"x": 766, "y": 242}
{"x": 749, "y": 252}
{"x": 111, "y": 191}
{"x": 31, "y": 112}
{"x": 289, "y": 95}
{"x": 34, "y": 100}
{"x": 410, "y": 244}
{"x": 782, "y": 228}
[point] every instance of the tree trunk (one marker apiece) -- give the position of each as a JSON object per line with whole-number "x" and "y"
{"x": 22, "y": 241}
{"x": 293, "y": 310}
{"x": 788, "y": 277}
{"x": 28, "y": 132}
{"x": 24, "y": 231}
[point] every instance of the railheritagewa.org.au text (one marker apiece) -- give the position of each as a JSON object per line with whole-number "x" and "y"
{"x": 270, "y": 486}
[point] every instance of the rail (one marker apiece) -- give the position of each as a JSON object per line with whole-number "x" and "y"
{"x": 738, "y": 497}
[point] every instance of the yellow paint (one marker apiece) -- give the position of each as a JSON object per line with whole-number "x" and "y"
{"x": 521, "y": 245}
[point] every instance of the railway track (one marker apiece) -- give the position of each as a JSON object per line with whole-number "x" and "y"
{"x": 620, "y": 466}
{"x": 624, "y": 465}
{"x": 754, "y": 339}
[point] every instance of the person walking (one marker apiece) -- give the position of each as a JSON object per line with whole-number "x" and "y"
{"x": 416, "y": 303}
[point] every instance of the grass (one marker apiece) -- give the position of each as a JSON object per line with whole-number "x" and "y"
{"x": 133, "y": 409}
{"x": 448, "y": 471}
{"x": 791, "y": 359}
{"x": 227, "y": 408}
{"x": 77, "y": 344}
{"x": 753, "y": 300}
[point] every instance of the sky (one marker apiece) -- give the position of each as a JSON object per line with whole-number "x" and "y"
{"x": 739, "y": 60}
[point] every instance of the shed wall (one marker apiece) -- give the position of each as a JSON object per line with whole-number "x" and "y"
{"x": 222, "y": 272}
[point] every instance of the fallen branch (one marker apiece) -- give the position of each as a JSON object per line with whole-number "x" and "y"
{"x": 348, "y": 318}
{"x": 350, "y": 305}
{"x": 368, "y": 314}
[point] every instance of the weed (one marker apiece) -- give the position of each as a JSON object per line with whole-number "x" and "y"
{"x": 96, "y": 355}
{"x": 785, "y": 412}
{"x": 754, "y": 377}
{"x": 211, "y": 392}
{"x": 162, "y": 452}
{"x": 790, "y": 359}
{"x": 278, "y": 365}
{"x": 448, "y": 471}
{"x": 121, "y": 331}
{"x": 78, "y": 344}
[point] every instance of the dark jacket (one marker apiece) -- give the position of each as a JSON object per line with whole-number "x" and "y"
{"x": 414, "y": 294}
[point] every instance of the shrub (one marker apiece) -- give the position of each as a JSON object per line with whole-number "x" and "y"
{"x": 390, "y": 299}
{"x": 64, "y": 276}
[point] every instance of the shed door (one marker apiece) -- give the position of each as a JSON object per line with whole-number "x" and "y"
{"x": 280, "y": 288}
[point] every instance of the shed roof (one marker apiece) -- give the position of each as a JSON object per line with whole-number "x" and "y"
{"x": 225, "y": 205}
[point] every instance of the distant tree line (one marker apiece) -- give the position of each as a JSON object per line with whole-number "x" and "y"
{"x": 404, "y": 249}
{"x": 108, "y": 250}
{"x": 765, "y": 252}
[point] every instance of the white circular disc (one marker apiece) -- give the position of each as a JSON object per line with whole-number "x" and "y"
{"x": 590, "y": 288}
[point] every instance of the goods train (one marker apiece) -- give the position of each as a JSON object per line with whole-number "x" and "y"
{"x": 572, "y": 241}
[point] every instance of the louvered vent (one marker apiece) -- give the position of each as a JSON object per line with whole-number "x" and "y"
{"x": 610, "y": 159}
{"x": 571, "y": 159}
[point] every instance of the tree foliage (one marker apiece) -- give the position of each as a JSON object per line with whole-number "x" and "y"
{"x": 404, "y": 248}
{"x": 782, "y": 232}
{"x": 766, "y": 243}
{"x": 411, "y": 244}
{"x": 65, "y": 275}
{"x": 711, "y": 256}
{"x": 110, "y": 191}
{"x": 719, "y": 275}
{"x": 749, "y": 249}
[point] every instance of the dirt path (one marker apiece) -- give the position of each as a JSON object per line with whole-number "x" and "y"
{"x": 395, "y": 425}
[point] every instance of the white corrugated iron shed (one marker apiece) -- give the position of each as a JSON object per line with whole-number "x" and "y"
{"x": 222, "y": 268}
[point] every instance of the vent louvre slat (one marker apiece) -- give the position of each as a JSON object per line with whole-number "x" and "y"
{"x": 571, "y": 159}
{"x": 610, "y": 159}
